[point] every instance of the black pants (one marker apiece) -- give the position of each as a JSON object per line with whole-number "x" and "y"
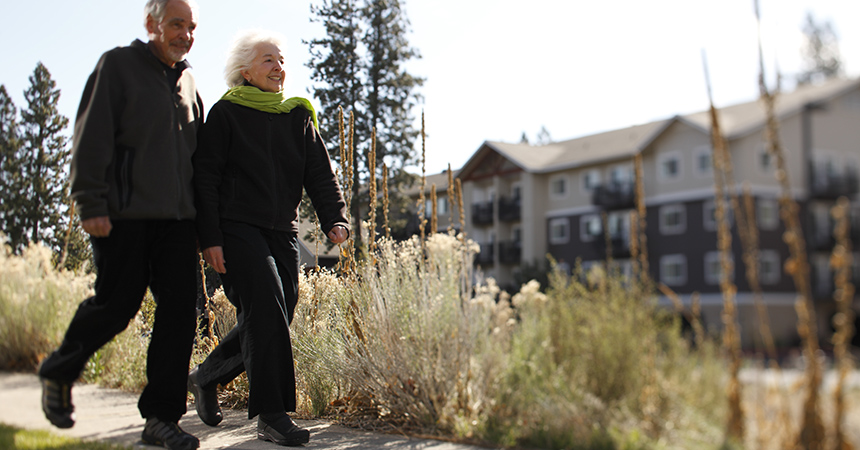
{"x": 155, "y": 253}
{"x": 262, "y": 283}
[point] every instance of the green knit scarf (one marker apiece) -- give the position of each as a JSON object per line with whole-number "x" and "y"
{"x": 271, "y": 102}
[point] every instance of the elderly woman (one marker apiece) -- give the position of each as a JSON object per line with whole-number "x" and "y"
{"x": 256, "y": 152}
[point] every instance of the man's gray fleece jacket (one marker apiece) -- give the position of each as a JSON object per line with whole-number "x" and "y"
{"x": 134, "y": 136}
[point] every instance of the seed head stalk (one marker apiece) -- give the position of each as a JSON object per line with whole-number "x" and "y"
{"x": 731, "y": 336}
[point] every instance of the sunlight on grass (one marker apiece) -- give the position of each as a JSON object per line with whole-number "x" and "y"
{"x": 12, "y": 438}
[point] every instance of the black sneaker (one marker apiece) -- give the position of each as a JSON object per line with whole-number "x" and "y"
{"x": 282, "y": 431}
{"x": 57, "y": 402}
{"x": 167, "y": 435}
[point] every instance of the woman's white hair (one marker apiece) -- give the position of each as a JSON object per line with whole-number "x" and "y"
{"x": 155, "y": 8}
{"x": 242, "y": 53}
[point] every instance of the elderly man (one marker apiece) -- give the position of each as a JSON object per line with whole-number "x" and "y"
{"x": 131, "y": 171}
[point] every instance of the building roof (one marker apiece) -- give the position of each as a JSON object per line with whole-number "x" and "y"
{"x": 735, "y": 121}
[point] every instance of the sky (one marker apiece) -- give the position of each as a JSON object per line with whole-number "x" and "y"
{"x": 494, "y": 69}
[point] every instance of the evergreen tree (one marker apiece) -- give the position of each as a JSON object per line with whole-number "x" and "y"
{"x": 821, "y": 56}
{"x": 11, "y": 175}
{"x": 359, "y": 66}
{"x": 45, "y": 207}
{"x": 391, "y": 98}
{"x": 336, "y": 69}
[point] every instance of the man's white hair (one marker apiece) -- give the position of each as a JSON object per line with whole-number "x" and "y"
{"x": 242, "y": 52}
{"x": 155, "y": 8}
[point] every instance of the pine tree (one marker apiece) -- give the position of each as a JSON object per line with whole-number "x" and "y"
{"x": 11, "y": 175}
{"x": 337, "y": 68}
{"x": 45, "y": 207}
{"x": 391, "y": 97}
{"x": 821, "y": 56}
{"x": 359, "y": 66}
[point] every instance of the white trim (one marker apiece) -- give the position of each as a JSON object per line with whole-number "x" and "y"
{"x": 575, "y": 211}
{"x": 565, "y": 223}
{"x": 681, "y": 227}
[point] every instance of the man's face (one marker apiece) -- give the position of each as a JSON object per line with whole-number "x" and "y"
{"x": 171, "y": 38}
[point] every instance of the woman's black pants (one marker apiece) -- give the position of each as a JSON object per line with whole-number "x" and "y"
{"x": 262, "y": 283}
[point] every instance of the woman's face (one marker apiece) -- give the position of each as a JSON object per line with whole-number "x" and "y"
{"x": 266, "y": 71}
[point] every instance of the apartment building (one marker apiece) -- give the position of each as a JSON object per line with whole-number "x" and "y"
{"x": 523, "y": 202}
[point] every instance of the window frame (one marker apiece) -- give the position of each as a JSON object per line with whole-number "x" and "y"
{"x": 565, "y": 223}
{"x": 677, "y": 258}
{"x": 680, "y": 228}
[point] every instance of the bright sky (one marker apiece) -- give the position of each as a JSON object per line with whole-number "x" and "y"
{"x": 494, "y": 68}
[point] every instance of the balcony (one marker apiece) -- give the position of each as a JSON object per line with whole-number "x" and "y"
{"x": 614, "y": 195}
{"x": 832, "y": 186}
{"x": 482, "y": 213}
{"x": 620, "y": 245}
{"x": 510, "y": 252}
{"x": 509, "y": 209}
{"x": 485, "y": 256}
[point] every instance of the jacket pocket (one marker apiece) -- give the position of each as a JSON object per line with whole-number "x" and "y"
{"x": 124, "y": 171}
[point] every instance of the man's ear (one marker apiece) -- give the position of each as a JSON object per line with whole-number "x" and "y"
{"x": 151, "y": 25}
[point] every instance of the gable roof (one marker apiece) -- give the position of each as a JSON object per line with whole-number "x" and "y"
{"x": 735, "y": 120}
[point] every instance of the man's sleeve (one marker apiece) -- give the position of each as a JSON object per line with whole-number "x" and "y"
{"x": 93, "y": 142}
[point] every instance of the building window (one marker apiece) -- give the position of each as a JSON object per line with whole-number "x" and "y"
{"x": 558, "y": 186}
{"x": 590, "y": 180}
{"x": 516, "y": 191}
{"x": 769, "y": 267}
{"x": 709, "y": 215}
{"x": 590, "y": 227}
{"x": 559, "y": 231}
{"x": 704, "y": 161}
{"x": 620, "y": 175}
{"x": 669, "y": 166}
{"x": 714, "y": 267}
{"x": 442, "y": 205}
{"x": 765, "y": 161}
{"x": 673, "y": 219}
{"x": 673, "y": 270}
{"x": 767, "y": 213}
{"x": 517, "y": 234}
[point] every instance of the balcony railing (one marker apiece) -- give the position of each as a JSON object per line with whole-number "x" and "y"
{"x": 830, "y": 186}
{"x": 614, "y": 196}
{"x": 509, "y": 209}
{"x": 485, "y": 256}
{"x": 620, "y": 245}
{"x": 482, "y": 213}
{"x": 510, "y": 252}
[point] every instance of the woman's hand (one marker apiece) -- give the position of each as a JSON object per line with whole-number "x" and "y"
{"x": 215, "y": 257}
{"x": 338, "y": 234}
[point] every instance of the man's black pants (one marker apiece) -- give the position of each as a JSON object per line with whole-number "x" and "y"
{"x": 160, "y": 254}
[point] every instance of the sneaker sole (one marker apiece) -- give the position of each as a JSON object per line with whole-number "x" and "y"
{"x": 298, "y": 440}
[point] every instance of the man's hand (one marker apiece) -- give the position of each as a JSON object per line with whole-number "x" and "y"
{"x": 338, "y": 234}
{"x": 97, "y": 226}
{"x": 215, "y": 257}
